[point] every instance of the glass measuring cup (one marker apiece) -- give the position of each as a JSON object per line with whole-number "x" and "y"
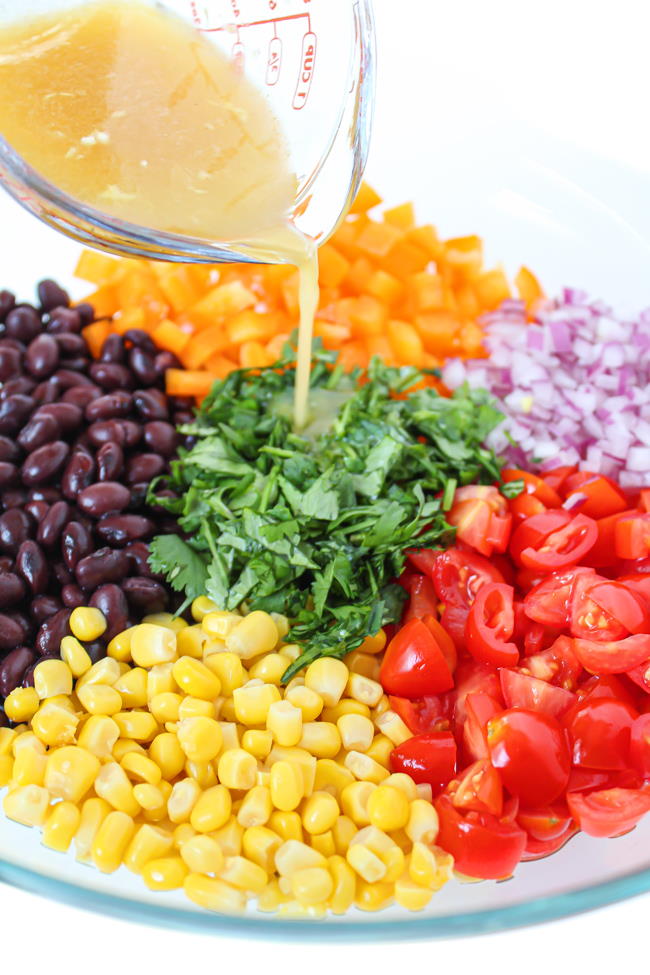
{"x": 313, "y": 60}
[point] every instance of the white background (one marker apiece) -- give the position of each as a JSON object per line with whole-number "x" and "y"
{"x": 526, "y": 122}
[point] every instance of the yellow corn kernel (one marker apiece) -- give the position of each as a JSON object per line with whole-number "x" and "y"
{"x": 195, "y": 707}
{"x": 287, "y": 785}
{"x": 195, "y": 679}
{"x": 324, "y": 843}
{"x": 166, "y": 706}
{"x": 364, "y": 690}
{"x": 288, "y": 825}
{"x": 112, "y": 840}
{"x": 182, "y": 834}
{"x": 320, "y": 738}
{"x": 201, "y": 606}
{"x": 423, "y": 824}
{"x": 53, "y": 724}
{"x": 310, "y": 703}
{"x": 214, "y": 895}
{"x": 100, "y": 699}
{"x": 230, "y": 837}
{"x": 373, "y": 897}
{"x": 237, "y": 769}
{"x": 363, "y": 664}
{"x": 293, "y": 855}
{"x": 284, "y": 721}
{"x": 87, "y": 623}
{"x": 61, "y": 826}
{"x": 93, "y": 813}
{"x": 380, "y": 750}
{"x": 270, "y": 668}
{"x": 296, "y": 912}
{"x": 112, "y": 784}
{"x": 258, "y": 743}
{"x": 344, "y": 884}
{"x": 356, "y": 732}
{"x": 259, "y": 844}
{"x": 140, "y": 768}
{"x": 331, "y": 777}
{"x": 282, "y": 624}
{"x": 244, "y": 874}
{"x": 381, "y": 707}
{"x": 301, "y": 758}
{"x": 99, "y": 735}
{"x": 228, "y": 668}
{"x": 252, "y": 702}
{"x": 27, "y": 739}
{"x": 167, "y": 754}
{"x": 75, "y": 656}
{"x": 343, "y": 832}
{"x": 392, "y": 726}
{"x": 7, "y": 738}
{"x": 410, "y": 895}
{"x": 327, "y": 677}
{"x": 374, "y": 644}
{"x": 430, "y": 866}
{"x": 152, "y": 644}
{"x": 230, "y": 735}
{"x": 271, "y": 898}
{"x": 202, "y": 854}
{"x": 52, "y": 677}
{"x": 184, "y": 796}
{"x": 133, "y": 687}
{"x": 424, "y": 791}
{"x": 151, "y": 798}
{"x": 6, "y": 770}
{"x": 29, "y": 767}
{"x": 200, "y": 738}
{"x": 203, "y": 773}
{"x": 256, "y": 807}
{"x": 312, "y": 886}
{"x": 148, "y": 843}
{"x": 165, "y": 873}
{"x": 27, "y": 804}
{"x": 139, "y": 725}
{"x": 291, "y": 651}
{"x": 254, "y": 634}
{"x": 395, "y": 862}
{"x": 354, "y": 801}
{"x": 190, "y": 642}
{"x": 319, "y": 813}
{"x": 105, "y": 671}
{"x": 125, "y": 746}
{"x": 219, "y": 624}
{"x": 365, "y": 863}
{"x": 175, "y": 623}
{"x": 21, "y": 704}
{"x": 212, "y": 811}
{"x": 345, "y": 706}
{"x": 119, "y": 648}
{"x": 227, "y": 710}
{"x": 365, "y": 768}
{"x": 388, "y": 808}
{"x": 403, "y": 782}
{"x": 161, "y": 680}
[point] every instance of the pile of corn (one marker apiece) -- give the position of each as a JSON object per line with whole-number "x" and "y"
{"x": 181, "y": 756}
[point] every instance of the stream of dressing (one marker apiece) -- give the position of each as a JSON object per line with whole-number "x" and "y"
{"x": 133, "y": 112}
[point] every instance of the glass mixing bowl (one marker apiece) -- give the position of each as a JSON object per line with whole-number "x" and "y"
{"x": 530, "y": 141}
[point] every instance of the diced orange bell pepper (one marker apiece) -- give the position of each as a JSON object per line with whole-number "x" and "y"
{"x": 167, "y": 335}
{"x": 439, "y": 332}
{"x": 365, "y": 199}
{"x": 332, "y": 266}
{"x": 529, "y": 288}
{"x": 385, "y": 287}
{"x": 95, "y": 335}
{"x": 186, "y": 382}
{"x": 402, "y": 216}
{"x": 96, "y": 268}
{"x": 378, "y": 239}
{"x": 406, "y": 343}
{"x": 491, "y": 289}
{"x": 203, "y": 345}
{"x": 220, "y": 302}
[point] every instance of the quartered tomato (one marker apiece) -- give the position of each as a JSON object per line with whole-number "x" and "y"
{"x": 632, "y": 536}
{"x": 424, "y": 714}
{"x": 443, "y": 640}
{"x": 558, "y": 664}
{"x": 531, "y": 754}
{"x": 608, "y": 685}
{"x": 473, "y": 678}
{"x": 545, "y": 823}
{"x": 557, "y": 478}
{"x": 490, "y": 625}
{"x": 553, "y": 540}
{"x": 640, "y": 675}
{"x": 414, "y": 665}
{"x": 640, "y": 745}
{"x": 596, "y": 496}
{"x": 523, "y": 691}
{"x": 538, "y": 849}
{"x": 617, "y": 657}
{"x": 423, "y": 601}
{"x": 602, "y": 609}
{"x": 478, "y": 788}
{"x": 534, "y": 486}
{"x": 603, "y": 552}
{"x": 600, "y": 730}
{"x": 457, "y": 577}
{"x": 481, "y": 518}
{"x": 549, "y": 601}
{"x": 480, "y": 708}
{"x": 482, "y": 845}
{"x": 609, "y": 812}
{"x": 429, "y": 758}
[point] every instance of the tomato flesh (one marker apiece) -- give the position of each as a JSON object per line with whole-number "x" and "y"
{"x": 428, "y": 758}
{"x": 524, "y": 691}
{"x": 640, "y": 745}
{"x": 478, "y": 788}
{"x": 530, "y": 752}
{"x": 414, "y": 665}
{"x": 490, "y": 625}
{"x": 600, "y": 730}
{"x": 609, "y": 812}
{"x": 482, "y": 845}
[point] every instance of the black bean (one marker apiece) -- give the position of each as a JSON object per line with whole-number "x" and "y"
{"x": 23, "y": 323}
{"x": 45, "y": 493}
{"x": 49, "y": 391}
{"x": 86, "y": 312}
{"x": 8, "y": 450}
{"x": 182, "y": 416}
{"x": 76, "y": 543}
{"x": 42, "y": 356}
{"x": 64, "y": 321}
{"x": 6, "y": 563}
{"x": 14, "y": 411}
{"x": 113, "y": 349}
{"x": 13, "y": 498}
{"x": 161, "y": 437}
{"x": 23, "y": 385}
{"x": 25, "y": 623}
{"x": 50, "y": 528}
{"x": 31, "y": 564}
{"x": 144, "y": 467}
{"x": 164, "y": 361}
{"x": 69, "y": 379}
{"x": 111, "y": 601}
{"x": 67, "y": 415}
{"x": 51, "y": 632}
{"x": 105, "y": 431}
{"x": 38, "y": 431}
{"x": 8, "y": 474}
{"x": 151, "y": 404}
{"x": 71, "y": 344}
{"x": 123, "y": 529}
{"x": 110, "y": 462}
{"x": 12, "y": 589}
{"x": 37, "y": 509}
{"x": 96, "y": 650}
{"x": 104, "y": 565}
{"x": 11, "y": 632}
{"x": 140, "y": 339}
{"x": 13, "y": 667}
{"x": 45, "y": 462}
{"x": 11, "y": 361}
{"x": 81, "y": 396}
{"x": 138, "y": 554}
{"x": 42, "y": 607}
{"x": 7, "y": 302}
{"x": 72, "y": 596}
{"x": 9, "y": 343}
{"x": 143, "y": 365}
{"x": 78, "y": 474}
{"x": 132, "y": 432}
{"x": 111, "y": 375}
{"x": 145, "y": 594}
{"x": 15, "y": 528}
{"x": 102, "y": 499}
{"x": 62, "y": 575}
{"x": 77, "y": 363}
{"x": 51, "y": 295}
{"x": 109, "y": 406}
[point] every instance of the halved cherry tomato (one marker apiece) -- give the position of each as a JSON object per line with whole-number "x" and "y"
{"x": 414, "y": 665}
{"x": 549, "y": 601}
{"x": 608, "y": 812}
{"x": 490, "y": 625}
{"x": 617, "y": 657}
{"x": 531, "y": 754}
{"x": 478, "y": 787}
{"x": 640, "y": 745}
{"x": 603, "y": 551}
{"x": 558, "y": 664}
{"x": 603, "y": 610}
{"x": 427, "y": 758}
{"x": 557, "y": 478}
{"x": 600, "y": 730}
{"x": 523, "y": 691}
{"x": 533, "y": 485}
{"x": 423, "y": 601}
{"x": 482, "y": 845}
{"x": 644, "y": 499}
{"x": 481, "y": 518}
{"x": 457, "y": 577}
{"x": 424, "y": 714}
{"x": 525, "y": 506}
{"x": 480, "y": 708}
{"x": 472, "y": 677}
{"x": 640, "y": 675}
{"x": 602, "y": 497}
{"x": 553, "y": 540}
{"x": 443, "y": 640}
{"x": 607, "y": 685}
{"x": 632, "y": 536}
{"x": 538, "y": 849}
{"x": 546, "y": 823}
{"x": 639, "y": 583}
{"x": 588, "y": 780}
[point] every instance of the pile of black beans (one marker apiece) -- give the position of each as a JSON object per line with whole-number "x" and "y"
{"x": 80, "y": 441}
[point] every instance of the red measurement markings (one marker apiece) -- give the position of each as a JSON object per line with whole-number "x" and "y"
{"x": 274, "y": 61}
{"x": 307, "y": 62}
{"x": 260, "y": 23}
{"x": 237, "y": 56}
